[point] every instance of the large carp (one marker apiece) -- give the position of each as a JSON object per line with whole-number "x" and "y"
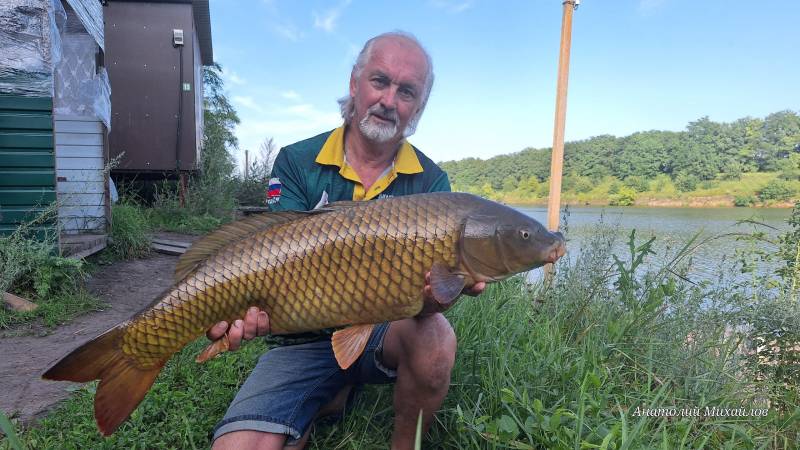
{"x": 350, "y": 264}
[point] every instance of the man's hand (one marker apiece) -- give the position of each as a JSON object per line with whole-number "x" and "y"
{"x": 474, "y": 290}
{"x": 255, "y": 323}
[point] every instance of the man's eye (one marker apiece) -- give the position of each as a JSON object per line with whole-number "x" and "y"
{"x": 380, "y": 82}
{"x": 407, "y": 94}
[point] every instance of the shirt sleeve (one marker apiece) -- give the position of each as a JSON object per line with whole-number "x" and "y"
{"x": 440, "y": 184}
{"x": 291, "y": 195}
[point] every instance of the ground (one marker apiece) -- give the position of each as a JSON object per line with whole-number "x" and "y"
{"x": 126, "y": 286}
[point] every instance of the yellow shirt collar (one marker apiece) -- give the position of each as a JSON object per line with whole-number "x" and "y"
{"x": 332, "y": 153}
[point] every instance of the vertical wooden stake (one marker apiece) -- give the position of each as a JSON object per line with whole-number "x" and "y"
{"x": 182, "y": 188}
{"x": 246, "y": 163}
{"x": 557, "y": 159}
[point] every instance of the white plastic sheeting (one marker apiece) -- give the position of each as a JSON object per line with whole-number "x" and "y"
{"x": 30, "y": 46}
{"x": 81, "y": 90}
{"x": 90, "y": 14}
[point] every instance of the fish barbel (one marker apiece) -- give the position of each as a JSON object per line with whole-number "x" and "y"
{"x": 352, "y": 264}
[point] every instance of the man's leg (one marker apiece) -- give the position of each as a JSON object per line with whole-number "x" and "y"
{"x": 423, "y": 352}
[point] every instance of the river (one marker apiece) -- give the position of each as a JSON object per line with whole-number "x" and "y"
{"x": 672, "y": 227}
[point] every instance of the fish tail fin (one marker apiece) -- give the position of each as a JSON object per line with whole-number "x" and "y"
{"x": 123, "y": 384}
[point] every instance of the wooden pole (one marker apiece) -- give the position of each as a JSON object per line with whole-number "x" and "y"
{"x": 246, "y": 163}
{"x": 557, "y": 159}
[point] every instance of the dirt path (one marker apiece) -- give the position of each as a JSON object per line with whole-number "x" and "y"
{"x": 126, "y": 287}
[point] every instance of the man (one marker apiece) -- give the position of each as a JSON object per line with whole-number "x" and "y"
{"x": 364, "y": 159}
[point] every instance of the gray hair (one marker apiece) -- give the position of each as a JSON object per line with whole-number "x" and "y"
{"x": 346, "y": 103}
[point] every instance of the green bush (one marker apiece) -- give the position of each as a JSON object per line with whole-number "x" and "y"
{"x": 637, "y": 183}
{"x": 686, "y": 182}
{"x": 625, "y": 197}
{"x": 744, "y": 200}
{"x": 777, "y": 190}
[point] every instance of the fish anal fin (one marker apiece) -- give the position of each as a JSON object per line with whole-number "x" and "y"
{"x": 216, "y": 240}
{"x": 445, "y": 286}
{"x": 213, "y": 349}
{"x": 348, "y": 344}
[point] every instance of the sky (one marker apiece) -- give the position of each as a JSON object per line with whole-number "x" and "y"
{"x": 636, "y": 65}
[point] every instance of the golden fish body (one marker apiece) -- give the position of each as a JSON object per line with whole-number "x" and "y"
{"x": 353, "y": 264}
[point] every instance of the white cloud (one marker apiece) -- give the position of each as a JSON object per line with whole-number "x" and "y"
{"x": 247, "y": 102}
{"x": 649, "y": 7}
{"x": 234, "y": 78}
{"x": 290, "y": 95}
{"x": 288, "y": 31}
{"x": 327, "y": 20}
{"x": 453, "y": 6}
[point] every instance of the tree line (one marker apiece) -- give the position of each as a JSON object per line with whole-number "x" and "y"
{"x": 705, "y": 151}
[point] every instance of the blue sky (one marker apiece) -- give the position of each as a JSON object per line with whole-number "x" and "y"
{"x": 636, "y": 65}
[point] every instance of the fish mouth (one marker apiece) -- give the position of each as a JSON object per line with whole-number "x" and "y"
{"x": 557, "y": 251}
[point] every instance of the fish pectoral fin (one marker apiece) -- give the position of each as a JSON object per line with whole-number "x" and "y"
{"x": 349, "y": 343}
{"x": 221, "y": 345}
{"x": 445, "y": 286}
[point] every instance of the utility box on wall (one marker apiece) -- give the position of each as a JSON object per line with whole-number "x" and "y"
{"x": 155, "y": 53}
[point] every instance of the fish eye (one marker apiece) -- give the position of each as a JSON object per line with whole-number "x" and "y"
{"x": 525, "y": 234}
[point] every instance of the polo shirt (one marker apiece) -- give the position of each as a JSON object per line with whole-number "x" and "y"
{"x": 314, "y": 172}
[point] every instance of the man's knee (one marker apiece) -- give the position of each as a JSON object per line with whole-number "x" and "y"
{"x": 429, "y": 351}
{"x": 244, "y": 439}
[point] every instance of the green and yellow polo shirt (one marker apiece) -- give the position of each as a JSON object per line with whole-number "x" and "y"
{"x": 314, "y": 172}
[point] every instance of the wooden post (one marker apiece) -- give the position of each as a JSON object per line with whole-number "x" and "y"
{"x": 246, "y": 163}
{"x": 183, "y": 186}
{"x": 557, "y": 158}
{"x": 18, "y": 303}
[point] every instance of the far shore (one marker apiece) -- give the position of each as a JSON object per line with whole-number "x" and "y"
{"x": 692, "y": 202}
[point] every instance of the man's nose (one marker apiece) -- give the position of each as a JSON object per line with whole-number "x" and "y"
{"x": 389, "y": 98}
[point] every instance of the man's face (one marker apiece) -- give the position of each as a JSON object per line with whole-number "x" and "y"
{"x": 388, "y": 91}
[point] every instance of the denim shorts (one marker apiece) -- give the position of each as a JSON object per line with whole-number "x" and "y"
{"x": 291, "y": 383}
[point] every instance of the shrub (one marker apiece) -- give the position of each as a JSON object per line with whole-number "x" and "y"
{"x": 637, "y": 183}
{"x": 744, "y": 200}
{"x": 777, "y": 190}
{"x": 625, "y": 197}
{"x": 686, "y": 182}
{"x": 130, "y": 231}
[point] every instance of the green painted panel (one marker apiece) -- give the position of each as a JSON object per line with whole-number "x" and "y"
{"x": 38, "y": 233}
{"x": 26, "y": 121}
{"x": 25, "y": 159}
{"x": 26, "y": 103}
{"x": 27, "y": 178}
{"x": 27, "y": 162}
{"x": 29, "y": 197}
{"x": 10, "y": 216}
{"x": 26, "y": 140}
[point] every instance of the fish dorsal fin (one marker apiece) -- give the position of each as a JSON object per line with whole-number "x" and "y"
{"x": 348, "y": 344}
{"x": 335, "y": 206}
{"x": 213, "y": 242}
{"x": 445, "y": 286}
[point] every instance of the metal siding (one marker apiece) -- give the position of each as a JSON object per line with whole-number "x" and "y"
{"x": 27, "y": 163}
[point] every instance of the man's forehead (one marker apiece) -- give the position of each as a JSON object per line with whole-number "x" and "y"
{"x": 400, "y": 56}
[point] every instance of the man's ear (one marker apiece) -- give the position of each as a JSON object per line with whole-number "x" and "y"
{"x": 353, "y": 86}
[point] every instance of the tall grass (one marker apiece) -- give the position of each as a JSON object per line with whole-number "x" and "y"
{"x": 30, "y": 267}
{"x": 581, "y": 364}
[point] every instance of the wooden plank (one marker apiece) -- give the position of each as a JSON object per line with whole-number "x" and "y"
{"x": 74, "y": 199}
{"x": 80, "y": 187}
{"x": 79, "y": 139}
{"x": 29, "y": 196}
{"x": 74, "y": 118}
{"x": 168, "y": 249}
{"x": 26, "y": 121}
{"x": 87, "y": 252}
{"x": 82, "y": 224}
{"x": 26, "y": 103}
{"x": 26, "y": 140}
{"x": 81, "y": 211}
{"x": 83, "y": 127}
{"x": 26, "y": 159}
{"x": 18, "y": 303}
{"x": 79, "y": 163}
{"x": 27, "y": 178}
{"x": 79, "y": 151}
{"x": 172, "y": 243}
{"x": 79, "y": 175}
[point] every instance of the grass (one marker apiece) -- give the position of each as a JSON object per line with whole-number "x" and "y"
{"x": 30, "y": 268}
{"x": 564, "y": 368}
